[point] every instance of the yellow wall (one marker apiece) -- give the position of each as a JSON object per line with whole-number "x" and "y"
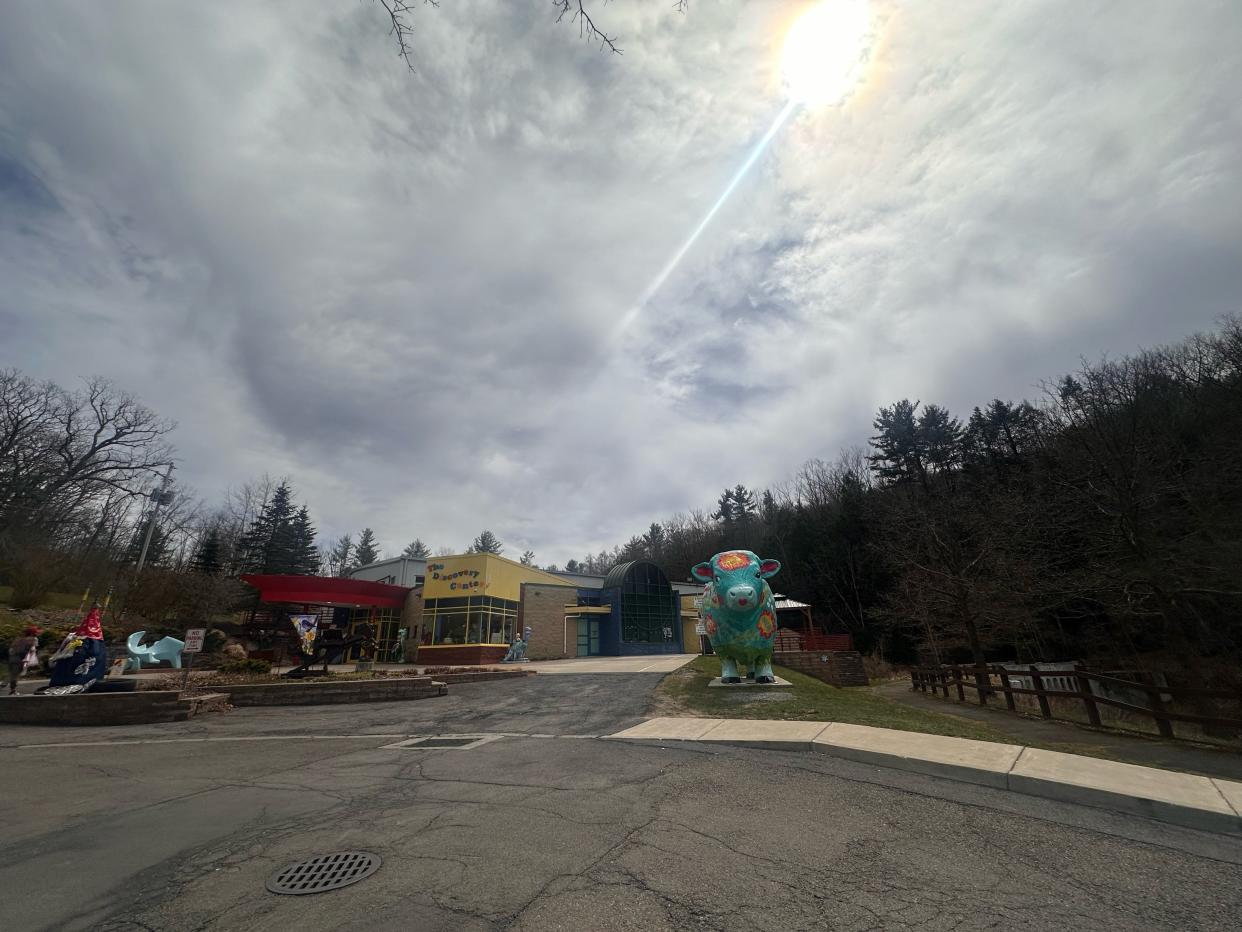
{"x": 480, "y": 574}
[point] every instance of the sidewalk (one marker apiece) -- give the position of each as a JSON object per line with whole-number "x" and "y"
{"x": 1206, "y": 803}
{"x": 1134, "y": 749}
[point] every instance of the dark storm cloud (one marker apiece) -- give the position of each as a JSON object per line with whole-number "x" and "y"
{"x": 406, "y": 290}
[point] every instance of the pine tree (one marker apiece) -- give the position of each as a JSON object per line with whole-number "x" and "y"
{"x": 654, "y": 541}
{"x": 486, "y": 542}
{"x": 528, "y": 558}
{"x": 416, "y": 550}
{"x": 366, "y": 552}
{"x": 207, "y": 558}
{"x": 157, "y": 550}
{"x": 573, "y": 567}
{"x": 724, "y": 512}
{"x": 268, "y": 544}
{"x": 744, "y": 507}
{"x": 304, "y": 553}
{"x": 338, "y": 556}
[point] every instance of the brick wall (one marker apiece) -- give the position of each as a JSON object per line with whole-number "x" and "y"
{"x": 412, "y": 621}
{"x": 837, "y": 668}
{"x": 543, "y": 611}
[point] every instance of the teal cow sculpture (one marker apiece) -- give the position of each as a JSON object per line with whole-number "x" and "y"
{"x": 739, "y": 612}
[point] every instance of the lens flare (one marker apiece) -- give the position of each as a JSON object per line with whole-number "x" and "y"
{"x": 824, "y": 51}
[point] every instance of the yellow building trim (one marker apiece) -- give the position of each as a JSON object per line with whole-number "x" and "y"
{"x": 572, "y": 609}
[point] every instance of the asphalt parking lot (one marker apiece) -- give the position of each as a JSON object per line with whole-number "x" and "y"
{"x": 553, "y": 827}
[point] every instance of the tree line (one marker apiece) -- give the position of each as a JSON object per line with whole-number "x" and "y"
{"x": 1100, "y": 521}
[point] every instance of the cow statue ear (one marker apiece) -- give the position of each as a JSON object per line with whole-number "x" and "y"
{"x": 703, "y": 572}
{"x": 769, "y": 568}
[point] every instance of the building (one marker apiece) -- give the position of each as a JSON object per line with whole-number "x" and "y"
{"x": 468, "y": 608}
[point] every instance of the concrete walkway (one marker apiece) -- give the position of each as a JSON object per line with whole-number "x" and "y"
{"x": 1205, "y": 803}
{"x": 1134, "y": 749}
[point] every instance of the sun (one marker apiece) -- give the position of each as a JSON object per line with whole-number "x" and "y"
{"x": 824, "y": 51}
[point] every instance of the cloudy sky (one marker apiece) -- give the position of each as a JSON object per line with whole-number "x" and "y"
{"x": 405, "y": 291}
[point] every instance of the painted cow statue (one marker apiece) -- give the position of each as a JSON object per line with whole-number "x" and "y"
{"x": 739, "y": 612}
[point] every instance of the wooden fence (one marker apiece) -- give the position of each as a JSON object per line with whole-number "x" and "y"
{"x": 994, "y": 681}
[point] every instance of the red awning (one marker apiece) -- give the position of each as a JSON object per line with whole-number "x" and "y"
{"x": 326, "y": 590}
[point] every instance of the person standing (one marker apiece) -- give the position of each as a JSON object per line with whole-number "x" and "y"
{"x": 23, "y": 652}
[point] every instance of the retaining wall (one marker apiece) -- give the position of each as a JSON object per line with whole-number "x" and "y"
{"x": 837, "y": 667}
{"x": 133, "y": 708}
{"x": 320, "y": 693}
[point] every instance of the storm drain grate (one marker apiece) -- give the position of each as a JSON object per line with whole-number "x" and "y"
{"x": 326, "y": 872}
{"x": 454, "y": 742}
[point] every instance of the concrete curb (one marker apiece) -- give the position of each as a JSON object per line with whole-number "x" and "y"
{"x": 1203, "y": 803}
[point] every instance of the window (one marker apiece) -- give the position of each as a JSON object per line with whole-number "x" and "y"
{"x": 476, "y": 619}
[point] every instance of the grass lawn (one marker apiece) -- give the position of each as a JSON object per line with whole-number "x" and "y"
{"x": 685, "y": 692}
{"x": 53, "y": 600}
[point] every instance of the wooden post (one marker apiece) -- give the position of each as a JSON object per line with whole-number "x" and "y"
{"x": 1004, "y": 678}
{"x": 1037, "y": 681}
{"x": 961, "y": 690}
{"x": 1158, "y": 712}
{"x": 1088, "y": 699}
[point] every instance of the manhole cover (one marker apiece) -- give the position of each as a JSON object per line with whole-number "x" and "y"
{"x": 326, "y": 872}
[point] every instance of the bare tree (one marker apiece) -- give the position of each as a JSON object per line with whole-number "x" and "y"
{"x": 401, "y": 24}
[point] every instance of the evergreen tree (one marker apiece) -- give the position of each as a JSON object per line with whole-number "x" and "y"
{"x": 573, "y": 567}
{"x": 744, "y": 507}
{"x": 268, "y": 544}
{"x": 416, "y": 550}
{"x": 654, "y": 541}
{"x": 898, "y": 453}
{"x": 338, "y": 556}
{"x": 157, "y": 550}
{"x": 304, "y": 554}
{"x": 207, "y": 557}
{"x": 366, "y": 553}
{"x": 724, "y": 512}
{"x": 487, "y": 542}
{"x": 528, "y": 558}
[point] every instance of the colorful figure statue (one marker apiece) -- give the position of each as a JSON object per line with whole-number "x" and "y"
{"x": 739, "y": 612}
{"x": 517, "y": 652}
{"x": 81, "y": 660}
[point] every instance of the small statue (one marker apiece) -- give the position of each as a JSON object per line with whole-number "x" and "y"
{"x": 517, "y": 652}
{"x": 81, "y": 660}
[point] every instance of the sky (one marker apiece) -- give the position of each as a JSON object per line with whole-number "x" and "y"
{"x": 406, "y": 291}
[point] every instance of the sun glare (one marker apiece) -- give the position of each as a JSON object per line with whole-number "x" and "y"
{"x": 824, "y": 51}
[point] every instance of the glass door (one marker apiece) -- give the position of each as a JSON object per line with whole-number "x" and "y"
{"x": 588, "y": 637}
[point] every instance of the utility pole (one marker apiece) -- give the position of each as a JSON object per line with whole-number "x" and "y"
{"x": 161, "y": 496}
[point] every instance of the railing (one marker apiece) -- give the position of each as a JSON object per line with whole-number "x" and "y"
{"x": 993, "y": 681}
{"x": 788, "y": 639}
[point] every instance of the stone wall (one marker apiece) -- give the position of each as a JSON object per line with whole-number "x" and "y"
{"x": 837, "y": 668}
{"x": 329, "y": 693}
{"x": 131, "y": 708}
{"x": 543, "y": 611}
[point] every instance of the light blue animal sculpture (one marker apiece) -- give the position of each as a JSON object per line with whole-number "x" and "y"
{"x": 739, "y": 613}
{"x": 166, "y": 648}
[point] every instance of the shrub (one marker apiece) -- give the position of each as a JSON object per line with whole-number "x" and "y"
{"x": 214, "y": 641}
{"x": 246, "y": 666}
{"x": 234, "y": 651}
